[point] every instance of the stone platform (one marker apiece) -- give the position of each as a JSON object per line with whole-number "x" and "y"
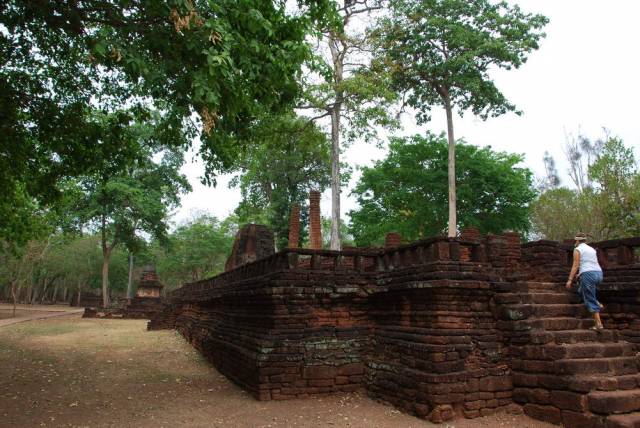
{"x": 440, "y": 328}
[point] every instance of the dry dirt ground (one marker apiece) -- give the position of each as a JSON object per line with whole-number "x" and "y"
{"x": 73, "y": 372}
{"x": 29, "y": 312}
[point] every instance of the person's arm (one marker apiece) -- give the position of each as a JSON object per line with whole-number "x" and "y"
{"x": 574, "y": 268}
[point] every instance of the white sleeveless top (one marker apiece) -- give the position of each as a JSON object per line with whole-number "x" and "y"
{"x": 588, "y": 259}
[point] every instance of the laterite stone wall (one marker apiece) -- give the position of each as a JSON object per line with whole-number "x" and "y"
{"x": 441, "y": 328}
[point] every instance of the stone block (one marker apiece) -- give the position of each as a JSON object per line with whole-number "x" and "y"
{"x": 571, "y": 419}
{"x": 569, "y": 400}
{"x": 351, "y": 369}
{"x": 321, "y": 382}
{"x": 471, "y": 414}
{"x": 475, "y": 405}
{"x": 607, "y": 402}
{"x": 491, "y": 384}
{"x": 421, "y": 410}
{"x": 441, "y": 413}
{"x": 320, "y": 372}
{"x": 487, "y": 411}
{"x": 544, "y": 413}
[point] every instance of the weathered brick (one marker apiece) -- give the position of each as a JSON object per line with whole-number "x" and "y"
{"x": 503, "y": 383}
{"x": 572, "y": 419}
{"x": 475, "y": 405}
{"x": 428, "y": 327}
{"x": 569, "y": 400}
{"x": 351, "y": 369}
{"x": 320, "y": 372}
{"x": 544, "y": 413}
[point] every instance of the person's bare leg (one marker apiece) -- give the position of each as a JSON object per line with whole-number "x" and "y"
{"x": 596, "y": 318}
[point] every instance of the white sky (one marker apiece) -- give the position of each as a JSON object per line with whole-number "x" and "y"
{"x": 584, "y": 77}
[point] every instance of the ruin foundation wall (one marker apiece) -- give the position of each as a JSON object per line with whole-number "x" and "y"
{"x": 437, "y": 328}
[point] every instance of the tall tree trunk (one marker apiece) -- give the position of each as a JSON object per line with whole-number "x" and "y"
{"x": 106, "y": 254}
{"x": 334, "y": 242}
{"x": 105, "y": 277}
{"x": 337, "y": 57}
{"x": 44, "y": 291}
{"x": 130, "y": 283}
{"x": 14, "y": 297}
{"x": 453, "y": 222}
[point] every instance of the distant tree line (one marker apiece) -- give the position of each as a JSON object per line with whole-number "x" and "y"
{"x": 99, "y": 104}
{"x": 62, "y": 267}
{"x": 602, "y": 198}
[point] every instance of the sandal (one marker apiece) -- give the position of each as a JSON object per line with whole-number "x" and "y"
{"x": 596, "y": 328}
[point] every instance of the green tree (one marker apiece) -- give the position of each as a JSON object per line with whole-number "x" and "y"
{"x": 346, "y": 88}
{"x": 81, "y": 264}
{"x": 439, "y": 52}
{"x": 127, "y": 191}
{"x": 605, "y": 203}
{"x": 289, "y": 156}
{"x": 557, "y": 214}
{"x": 581, "y": 152}
{"x": 225, "y": 62}
{"x": 406, "y": 192}
{"x": 195, "y": 250}
{"x": 17, "y": 267}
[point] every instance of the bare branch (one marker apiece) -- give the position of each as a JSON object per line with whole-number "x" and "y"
{"x": 328, "y": 113}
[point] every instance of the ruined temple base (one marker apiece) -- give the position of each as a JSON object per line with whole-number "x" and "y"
{"x": 442, "y": 329}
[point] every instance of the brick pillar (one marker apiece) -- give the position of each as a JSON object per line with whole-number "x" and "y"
{"x": 315, "y": 231}
{"x": 470, "y": 234}
{"x": 294, "y": 226}
{"x": 392, "y": 240}
{"x": 514, "y": 246}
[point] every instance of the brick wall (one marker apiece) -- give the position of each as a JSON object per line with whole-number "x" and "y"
{"x": 435, "y": 328}
{"x": 315, "y": 228}
{"x": 294, "y": 226}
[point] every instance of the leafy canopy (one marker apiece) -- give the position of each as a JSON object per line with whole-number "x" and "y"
{"x": 289, "y": 156}
{"x": 606, "y": 206}
{"x": 222, "y": 62}
{"x": 195, "y": 250}
{"x": 438, "y": 49}
{"x": 407, "y": 191}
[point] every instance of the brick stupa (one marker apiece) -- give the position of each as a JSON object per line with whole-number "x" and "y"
{"x": 149, "y": 286}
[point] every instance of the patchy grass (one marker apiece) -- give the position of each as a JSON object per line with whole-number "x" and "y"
{"x": 77, "y": 372}
{"x": 33, "y": 329}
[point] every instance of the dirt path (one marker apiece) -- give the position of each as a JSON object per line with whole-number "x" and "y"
{"x": 77, "y": 372}
{"x": 30, "y": 313}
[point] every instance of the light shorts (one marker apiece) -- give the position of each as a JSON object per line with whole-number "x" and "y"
{"x": 588, "y": 286}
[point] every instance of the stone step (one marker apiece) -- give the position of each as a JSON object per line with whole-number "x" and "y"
{"x": 588, "y": 383}
{"x": 629, "y": 420}
{"x": 563, "y": 323}
{"x": 579, "y": 350}
{"x": 612, "y": 402}
{"x": 536, "y": 298}
{"x": 548, "y": 298}
{"x": 576, "y": 383}
{"x": 579, "y": 366}
{"x": 528, "y": 286}
{"x": 573, "y": 336}
{"x": 587, "y": 366}
{"x": 558, "y": 310}
{"x": 541, "y": 286}
{"x": 550, "y": 324}
{"x": 591, "y": 350}
{"x": 521, "y": 312}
